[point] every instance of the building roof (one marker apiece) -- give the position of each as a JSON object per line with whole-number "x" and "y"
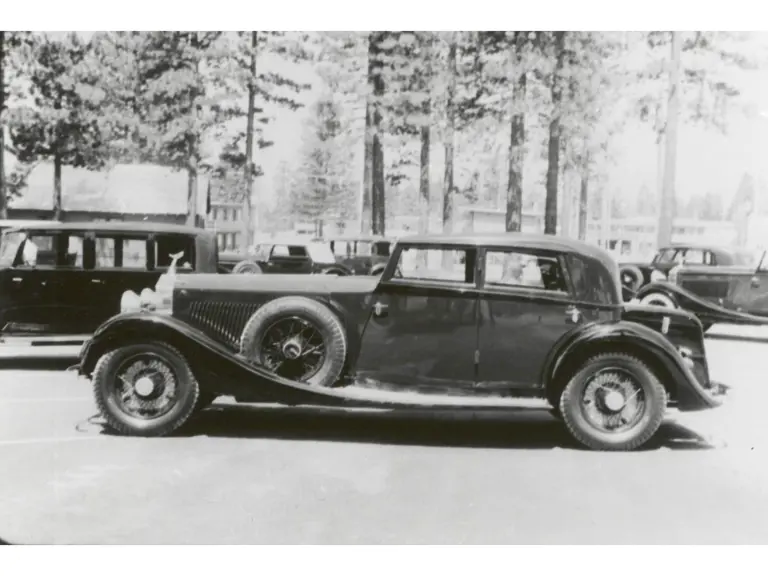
{"x": 125, "y": 189}
{"x": 512, "y": 240}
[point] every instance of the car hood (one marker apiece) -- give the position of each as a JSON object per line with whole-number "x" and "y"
{"x": 652, "y": 315}
{"x": 289, "y": 283}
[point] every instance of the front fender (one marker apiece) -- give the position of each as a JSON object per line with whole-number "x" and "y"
{"x": 685, "y": 390}
{"x": 214, "y": 365}
{"x": 706, "y": 310}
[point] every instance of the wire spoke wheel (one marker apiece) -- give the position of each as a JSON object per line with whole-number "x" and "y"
{"x": 293, "y": 348}
{"x": 613, "y": 401}
{"x": 145, "y": 386}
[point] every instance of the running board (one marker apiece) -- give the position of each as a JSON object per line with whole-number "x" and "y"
{"x": 41, "y": 341}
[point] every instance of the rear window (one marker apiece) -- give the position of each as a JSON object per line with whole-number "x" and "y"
{"x": 591, "y": 281}
{"x": 168, "y": 246}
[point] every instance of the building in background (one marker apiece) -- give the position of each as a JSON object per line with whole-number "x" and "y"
{"x": 129, "y": 192}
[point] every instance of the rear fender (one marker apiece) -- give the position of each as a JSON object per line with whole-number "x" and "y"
{"x": 628, "y": 337}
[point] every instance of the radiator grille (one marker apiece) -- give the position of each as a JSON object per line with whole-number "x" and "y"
{"x": 223, "y": 321}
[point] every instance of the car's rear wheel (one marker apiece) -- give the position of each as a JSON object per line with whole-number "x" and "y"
{"x": 145, "y": 389}
{"x": 658, "y": 299}
{"x": 334, "y": 272}
{"x": 613, "y": 402}
{"x": 298, "y": 339}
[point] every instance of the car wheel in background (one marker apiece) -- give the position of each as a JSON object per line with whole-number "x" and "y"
{"x": 631, "y": 277}
{"x": 658, "y": 299}
{"x": 247, "y": 267}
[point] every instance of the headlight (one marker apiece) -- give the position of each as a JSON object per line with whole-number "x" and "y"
{"x": 657, "y": 276}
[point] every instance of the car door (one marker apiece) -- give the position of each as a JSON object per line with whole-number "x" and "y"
{"x": 525, "y": 308}
{"x": 422, "y": 332}
{"x": 28, "y": 299}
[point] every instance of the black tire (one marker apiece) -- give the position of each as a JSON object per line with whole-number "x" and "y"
{"x": 105, "y": 391}
{"x": 631, "y": 277}
{"x": 377, "y": 271}
{"x": 247, "y": 267}
{"x": 334, "y": 272}
{"x": 323, "y": 320}
{"x": 572, "y": 404}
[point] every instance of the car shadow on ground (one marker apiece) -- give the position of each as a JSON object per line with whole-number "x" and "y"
{"x": 47, "y": 364}
{"x": 525, "y": 429}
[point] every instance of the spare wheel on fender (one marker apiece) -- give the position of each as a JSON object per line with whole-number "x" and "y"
{"x": 658, "y": 299}
{"x": 631, "y": 277}
{"x": 296, "y": 338}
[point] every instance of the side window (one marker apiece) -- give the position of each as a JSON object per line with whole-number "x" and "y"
{"x": 134, "y": 254}
{"x": 39, "y": 250}
{"x": 381, "y": 249}
{"x": 441, "y": 264}
{"x": 168, "y": 246}
{"x": 297, "y": 251}
{"x": 105, "y": 252}
{"x": 280, "y": 251}
{"x": 693, "y": 256}
{"x": 512, "y": 268}
{"x": 73, "y": 252}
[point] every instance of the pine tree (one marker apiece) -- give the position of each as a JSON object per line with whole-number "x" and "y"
{"x": 62, "y": 126}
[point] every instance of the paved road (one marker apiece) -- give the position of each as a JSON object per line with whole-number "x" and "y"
{"x": 271, "y": 475}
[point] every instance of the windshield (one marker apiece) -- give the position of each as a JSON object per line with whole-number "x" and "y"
{"x": 749, "y": 258}
{"x": 9, "y": 247}
{"x": 321, "y": 253}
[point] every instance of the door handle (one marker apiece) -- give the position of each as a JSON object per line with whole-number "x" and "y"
{"x": 573, "y": 314}
{"x": 17, "y": 279}
{"x": 96, "y": 281}
{"x": 380, "y": 310}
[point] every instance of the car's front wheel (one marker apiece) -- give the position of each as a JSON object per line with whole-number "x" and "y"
{"x": 613, "y": 402}
{"x": 145, "y": 389}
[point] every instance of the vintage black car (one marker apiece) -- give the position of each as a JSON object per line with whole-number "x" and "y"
{"x": 364, "y": 255}
{"x": 736, "y": 294}
{"x": 293, "y": 257}
{"x": 60, "y": 281}
{"x": 470, "y": 322}
{"x": 636, "y": 275}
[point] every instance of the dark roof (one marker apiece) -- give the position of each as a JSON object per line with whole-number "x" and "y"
{"x": 512, "y": 240}
{"x": 717, "y": 249}
{"x": 161, "y": 227}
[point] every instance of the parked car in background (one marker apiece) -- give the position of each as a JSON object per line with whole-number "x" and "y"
{"x": 60, "y": 281}
{"x": 364, "y": 255}
{"x": 636, "y": 275}
{"x": 734, "y": 294}
{"x": 474, "y": 322}
{"x": 295, "y": 257}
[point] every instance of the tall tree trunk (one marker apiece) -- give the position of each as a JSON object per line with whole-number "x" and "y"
{"x": 373, "y": 206}
{"x": 424, "y": 194}
{"x": 248, "y": 199}
{"x": 566, "y": 196}
{"x": 584, "y": 199}
{"x": 667, "y": 207}
{"x": 514, "y": 208}
{"x": 192, "y": 149}
{"x": 553, "y": 167}
{"x": 57, "y": 186}
{"x": 449, "y": 137}
{"x": 3, "y": 196}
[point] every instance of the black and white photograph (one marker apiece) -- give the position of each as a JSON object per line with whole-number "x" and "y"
{"x": 326, "y": 285}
